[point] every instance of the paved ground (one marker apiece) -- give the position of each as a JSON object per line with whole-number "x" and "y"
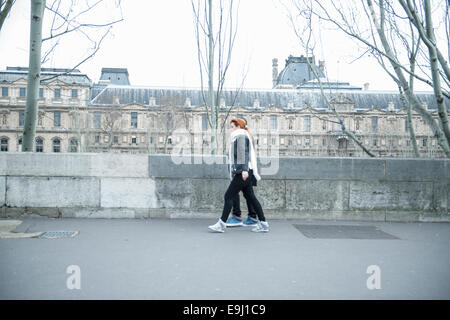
{"x": 180, "y": 259}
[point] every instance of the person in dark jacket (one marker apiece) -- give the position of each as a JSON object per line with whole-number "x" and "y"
{"x": 236, "y": 220}
{"x": 242, "y": 159}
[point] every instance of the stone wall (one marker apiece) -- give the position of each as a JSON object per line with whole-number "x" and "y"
{"x": 102, "y": 185}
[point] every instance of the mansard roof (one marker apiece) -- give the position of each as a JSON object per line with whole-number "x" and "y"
{"x": 68, "y": 76}
{"x": 255, "y": 99}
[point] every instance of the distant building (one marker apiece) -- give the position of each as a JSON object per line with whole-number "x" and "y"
{"x": 117, "y": 76}
{"x": 63, "y": 94}
{"x": 76, "y": 115}
{"x": 302, "y": 73}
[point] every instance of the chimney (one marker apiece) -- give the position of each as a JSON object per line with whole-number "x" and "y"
{"x": 152, "y": 101}
{"x": 391, "y": 106}
{"x": 256, "y": 103}
{"x": 274, "y": 72}
{"x": 366, "y": 86}
{"x": 187, "y": 102}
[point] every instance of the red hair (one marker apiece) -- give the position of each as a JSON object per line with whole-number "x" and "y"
{"x": 241, "y": 123}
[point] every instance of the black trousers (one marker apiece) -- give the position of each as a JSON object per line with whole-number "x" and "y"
{"x": 237, "y": 203}
{"x": 237, "y": 207}
{"x": 237, "y": 185}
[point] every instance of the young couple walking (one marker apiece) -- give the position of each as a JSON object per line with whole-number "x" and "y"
{"x": 243, "y": 174}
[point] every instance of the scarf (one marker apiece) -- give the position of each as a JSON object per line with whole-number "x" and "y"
{"x": 253, "y": 161}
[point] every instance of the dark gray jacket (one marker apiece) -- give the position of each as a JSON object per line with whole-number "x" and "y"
{"x": 240, "y": 154}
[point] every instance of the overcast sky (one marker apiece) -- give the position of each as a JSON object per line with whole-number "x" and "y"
{"x": 156, "y": 43}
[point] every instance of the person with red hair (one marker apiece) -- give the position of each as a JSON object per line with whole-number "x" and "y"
{"x": 236, "y": 220}
{"x": 242, "y": 168}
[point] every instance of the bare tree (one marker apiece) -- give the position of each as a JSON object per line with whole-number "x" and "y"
{"x": 110, "y": 125}
{"x": 169, "y": 116}
{"x": 307, "y": 41}
{"x": 65, "y": 19}
{"x": 215, "y": 49}
{"x": 376, "y": 26}
{"x": 34, "y": 72}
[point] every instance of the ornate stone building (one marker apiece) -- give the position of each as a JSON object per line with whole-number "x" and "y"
{"x": 114, "y": 116}
{"x": 61, "y": 94}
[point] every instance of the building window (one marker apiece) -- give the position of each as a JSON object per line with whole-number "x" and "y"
{"x": 56, "y": 145}
{"x": 39, "y": 120}
{"x": 374, "y": 124}
{"x": 324, "y": 142}
{"x": 22, "y": 92}
{"x": 39, "y": 145}
{"x": 116, "y": 140}
{"x": 374, "y": 142}
{"x": 290, "y": 142}
{"x": 424, "y": 142}
{"x": 97, "y": 139}
{"x": 133, "y": 139}
{"x": 406, "y": 124}
{"x": 74, "y": 93}
{"x": 41, "y": 92}
{"x": 204, "y": 121}
{"x": 342, "y": 144}
{"x": 4, "y": 144}
{"x": 57, "y": 93}
{"x": 56, "y": 118}
{"x": 273, "y": 122}
{"x": 4, "y": 118}
{"x": 324, "y": 125}
{"x": 134, "y": 120}
{"x": 274, "y": 141}
{"x": 73, "y": 145}
{"x": 291, "y": 125}
{"x": 20, "y": 144}
{"x": 357, "y": 124}
{"x": 5, "y": 92}
{"x": 97, "y": 120}
{"x": 307, "y": 122}
{"x": 307, "y": 141}
{"x": 21, "y": 117}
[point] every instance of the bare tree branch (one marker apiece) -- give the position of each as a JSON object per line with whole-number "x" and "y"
{"x": 5, "y": 8}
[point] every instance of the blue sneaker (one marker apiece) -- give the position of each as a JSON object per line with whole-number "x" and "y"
{"x": 234, "y": 221}
{"x": 250, "y": 222}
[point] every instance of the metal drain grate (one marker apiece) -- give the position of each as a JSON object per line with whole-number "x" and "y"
{"x": 342, "y": 232}
{"x": 58, "y": 234}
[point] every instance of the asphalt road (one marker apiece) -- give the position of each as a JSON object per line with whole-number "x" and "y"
{"x": 181, "y": 259}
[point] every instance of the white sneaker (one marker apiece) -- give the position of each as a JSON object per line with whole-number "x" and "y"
{"x": 262, "y": 226}
{"x": 220, "y": 226}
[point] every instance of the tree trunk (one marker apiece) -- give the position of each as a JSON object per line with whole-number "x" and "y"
{"x": 442, "y": 110}
{"x": 34, "y": 71}
{"x": 211, "y": 79}
{"x": 412, "y": 135}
